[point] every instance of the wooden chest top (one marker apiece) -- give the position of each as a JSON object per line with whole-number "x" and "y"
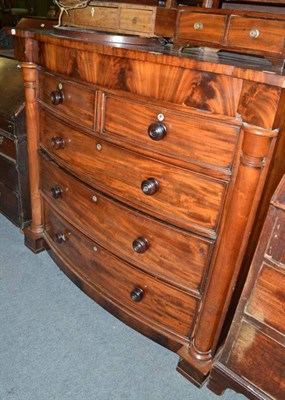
{"x": 12, "y": 99}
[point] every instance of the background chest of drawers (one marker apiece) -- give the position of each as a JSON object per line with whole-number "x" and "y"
{"x": 147, "y": 172}
{"x": 14, "y": 176}
{"x": 257, "y": 334}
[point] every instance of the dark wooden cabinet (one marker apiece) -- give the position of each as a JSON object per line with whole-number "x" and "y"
{"x": 253, "y": 359}
{"x": 148, "y": 168}
{"x": 14, "y": 175}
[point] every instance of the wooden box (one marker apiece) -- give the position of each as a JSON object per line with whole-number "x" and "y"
{"x": 14, "y": 181}
{"x": 132, "y": 19}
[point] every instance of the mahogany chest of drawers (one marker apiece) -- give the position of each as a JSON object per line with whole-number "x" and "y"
{"x": 147, "y": 170}
{"x": 253, "y": 359}
{"x": 14, "y": 176}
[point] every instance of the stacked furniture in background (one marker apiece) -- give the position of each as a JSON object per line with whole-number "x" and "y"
{"x": 14, "y": 174}
{"x": 253, "y": 359}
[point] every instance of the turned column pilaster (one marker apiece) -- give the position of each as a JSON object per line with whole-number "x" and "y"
{"x": 257, "y": 147}
{"x": 33, "y": 235}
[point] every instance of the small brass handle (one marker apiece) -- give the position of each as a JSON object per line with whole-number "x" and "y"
{"x": 56, "y": 192}
{"x": 254, "y": 33}
{"x": 150, "y": 186}
{"x": 140, "y": 245}
{"x": 57, "y": 142}
{"x": 137, "y": 294}
{"x": 57, "y": 97}
{"x": 198, "y": 26}
{"x": 1, "y": 139}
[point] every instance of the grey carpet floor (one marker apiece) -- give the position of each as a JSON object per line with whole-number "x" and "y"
{"x": 57, "y": 344}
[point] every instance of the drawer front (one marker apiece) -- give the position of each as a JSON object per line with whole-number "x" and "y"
{"x": 161, "y": 250}
{"x": 251, "y": 349}
{"x": 180, "y": 196}
{"x": 75, "y": 102}
{"x": 9, "y": 173}
{"x": 169, "y": 133}
{"x": 276, "y": 247}
{"x": 96, "y": 17}
{"x": 256, "y": 34}
{"x": 7, "y": 147}
{"x": 266, "y": 302}
{"x": 7, "y": 126}
{"x": 161, "y": 303}
{"x": 9, "y": 203}
{"x": 137, "y": 20}
{"x": 199, "y": 26}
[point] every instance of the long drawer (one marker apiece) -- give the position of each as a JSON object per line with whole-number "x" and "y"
{"x": 167, "y": 253}
{"x": 180, "y": 196}
{"x": 164, "y": 131}
{"x": 124, "y": 284}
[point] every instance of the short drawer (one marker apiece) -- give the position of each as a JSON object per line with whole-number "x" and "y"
{"x": 7, "y": 147}
{"x": 70, "y": 100}
{"x": 163, "y": 304}
{"x": 166, "y": 132}
{"x": 8, "y": 173}
{"x": 180, "y": 196}
{"x": 167, "y": 253}
{"x": 9, "y": 203}
{"x": 267, "y": 299}
{"x": 256, "y": 34}
{"x": 199, "y": 26}
{"x": 100, "y": 18}
{"x": 137, "y": 20}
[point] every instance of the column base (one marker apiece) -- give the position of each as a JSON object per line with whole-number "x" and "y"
{"x": 195, "y": 371}
{"x": 34, "y": 241}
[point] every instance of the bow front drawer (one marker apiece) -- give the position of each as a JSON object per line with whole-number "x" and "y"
{"x": 137, "y": 291}
{"x": 182, "y": 197}
{"x": 164, "y": 251}
{"x": 72, "y": 101}
{"x": 173, "y": 134}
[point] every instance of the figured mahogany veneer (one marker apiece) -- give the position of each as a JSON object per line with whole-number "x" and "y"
{"x": 108, "y": 167}
{"x": 118, "y": 279}
{"x": 69, "y": 99}
{"x": 187, "y": 137}
{"x": 173, "y": 255}
{"x": 148, "y": 169}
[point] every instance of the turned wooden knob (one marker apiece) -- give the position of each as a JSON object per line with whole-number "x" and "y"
{"x": 56, "y": 192}
{"x": 140, "y": 245}
{"x": 57, "y": 142}
{"x": 60, "y": 237}
{"x": 157, "y": 131}
{"x": 137, "y": 294}
{"x": 56, "y": 97}
{"x": 149, "y": 186}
